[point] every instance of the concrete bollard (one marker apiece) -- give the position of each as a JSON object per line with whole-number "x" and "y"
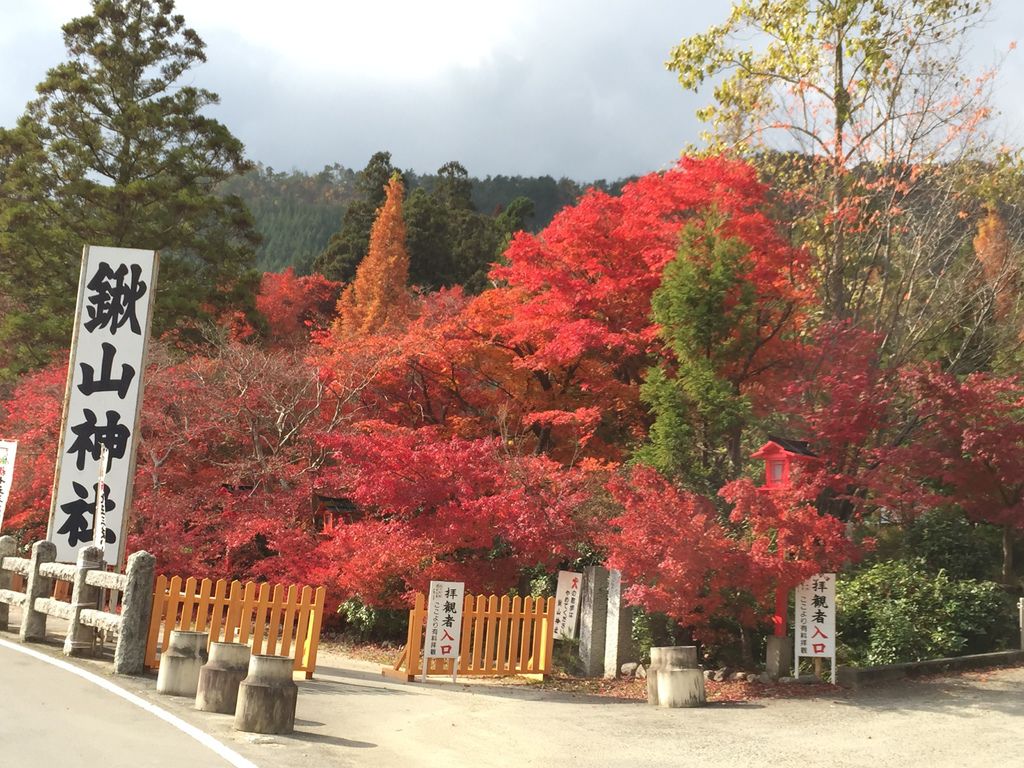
{"x": 220, "y": 676}
{"x": 657, "y": 662}
{"x": 779, "y": 656}
{"x": 181, "y": 662}
{"x": 679, "y": 682}
{"x": 267, "y": 697}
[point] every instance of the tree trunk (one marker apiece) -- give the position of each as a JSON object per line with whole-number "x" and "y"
{"x": 835, "y": 283}
{"x": 746, "y": 648}
{"x": 1008, "y": 541}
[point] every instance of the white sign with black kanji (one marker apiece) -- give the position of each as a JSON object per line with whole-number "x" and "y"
{"x": 104, "y": 394}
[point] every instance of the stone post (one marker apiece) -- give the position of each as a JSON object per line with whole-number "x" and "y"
{"x": 779, "y": 656}
{"x": 267, "y": 697}
{"x": 220, "y": 677}
{"x": 618, "y": 638}
{"x": 181, "y": 662}
{"x": 8, "y": 548}
{"x": 136, "y": 606}
{"x": 81, "y": 638}
{"x": 593, "y": 620}
{"x": 33, "y": 622}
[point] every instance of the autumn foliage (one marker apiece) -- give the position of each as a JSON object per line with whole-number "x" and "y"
{"x": 387, "y": 438}
{"x": 377, "y": 297}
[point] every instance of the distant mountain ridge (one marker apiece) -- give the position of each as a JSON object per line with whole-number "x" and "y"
{"x": 297, "y": 212}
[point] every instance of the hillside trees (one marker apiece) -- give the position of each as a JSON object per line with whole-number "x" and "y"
{"x": 294, "y": 212}
{"x": 116, "y": 151}
{"x": 449, "y": 242}
{"x": 875, "y": 96}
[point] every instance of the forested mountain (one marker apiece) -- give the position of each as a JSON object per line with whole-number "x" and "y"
{"x": 295, "y": 212}
{"x": 298, "y": 212}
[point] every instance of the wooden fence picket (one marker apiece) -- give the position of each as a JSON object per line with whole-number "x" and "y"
{"x": 274, "y": 617}
{"x": 202, "y": 614}
{"x": 289, "y": 618}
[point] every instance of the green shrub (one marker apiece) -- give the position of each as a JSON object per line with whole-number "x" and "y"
{"x": 896, "y": 611}
{"x": 945, "y": 540}
{"x": 364, "y": 623}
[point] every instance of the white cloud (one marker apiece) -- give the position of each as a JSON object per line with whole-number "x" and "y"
{"x": 398, "y": 40}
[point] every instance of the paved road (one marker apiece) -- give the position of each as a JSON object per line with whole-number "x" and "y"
{"x": 51, "y": 717}
{"x": 350, "y": 717}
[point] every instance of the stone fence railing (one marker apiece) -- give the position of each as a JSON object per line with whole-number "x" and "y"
{"x": 85, "y": 618}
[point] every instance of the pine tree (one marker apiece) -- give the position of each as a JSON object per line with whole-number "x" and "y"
{"x": 377, "y": 298}
{"x": 116, "y": 151}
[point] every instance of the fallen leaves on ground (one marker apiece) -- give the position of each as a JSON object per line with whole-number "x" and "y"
{"x": 636, "y": 689}
{"x": 378, "y": 653}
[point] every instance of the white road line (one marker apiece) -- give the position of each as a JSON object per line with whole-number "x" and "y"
{"x": 187, "y": 728}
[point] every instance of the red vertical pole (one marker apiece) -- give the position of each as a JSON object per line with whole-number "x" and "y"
{"x": 781, "y": 608}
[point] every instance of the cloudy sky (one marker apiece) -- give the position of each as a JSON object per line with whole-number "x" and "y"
{"x": 563, "y": 87}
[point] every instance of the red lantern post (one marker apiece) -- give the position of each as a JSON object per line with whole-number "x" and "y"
{"x": 779, "y": 455}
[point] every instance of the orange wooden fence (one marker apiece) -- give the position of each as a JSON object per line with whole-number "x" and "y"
{"x": 272, "y": 619}
{"x": 61, "y": 589}
{"x": 499, "y": 637}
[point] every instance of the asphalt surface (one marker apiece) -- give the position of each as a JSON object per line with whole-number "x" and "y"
{"x": 350, "y": 716}
{"x": 51, "y": 717}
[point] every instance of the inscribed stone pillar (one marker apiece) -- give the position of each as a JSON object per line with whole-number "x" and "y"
{"x": 618, "y": 643}
{"x": 593, "y": 620}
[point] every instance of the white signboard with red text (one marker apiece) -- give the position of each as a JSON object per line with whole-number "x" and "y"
{"x": 816, "y": 619}
{"x": 444, "y": 620}
{"x": 567, "y": 604}
{"x": 8, "y": 448}
{"x": 104, "y": 394}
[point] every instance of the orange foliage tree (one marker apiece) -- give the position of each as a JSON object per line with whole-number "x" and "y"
{"x": 378, "y": 298}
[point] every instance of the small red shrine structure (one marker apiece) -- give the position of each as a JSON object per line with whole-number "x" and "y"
{"x": 780, "y": 455}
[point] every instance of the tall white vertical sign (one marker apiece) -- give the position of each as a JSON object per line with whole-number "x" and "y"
{"x": 816, "y": 620}
{"x": 104, "y": 395}
{"x": 567, "y": 604}
{"x": 444, "y": 623}
{"x": 8, "y": 448}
